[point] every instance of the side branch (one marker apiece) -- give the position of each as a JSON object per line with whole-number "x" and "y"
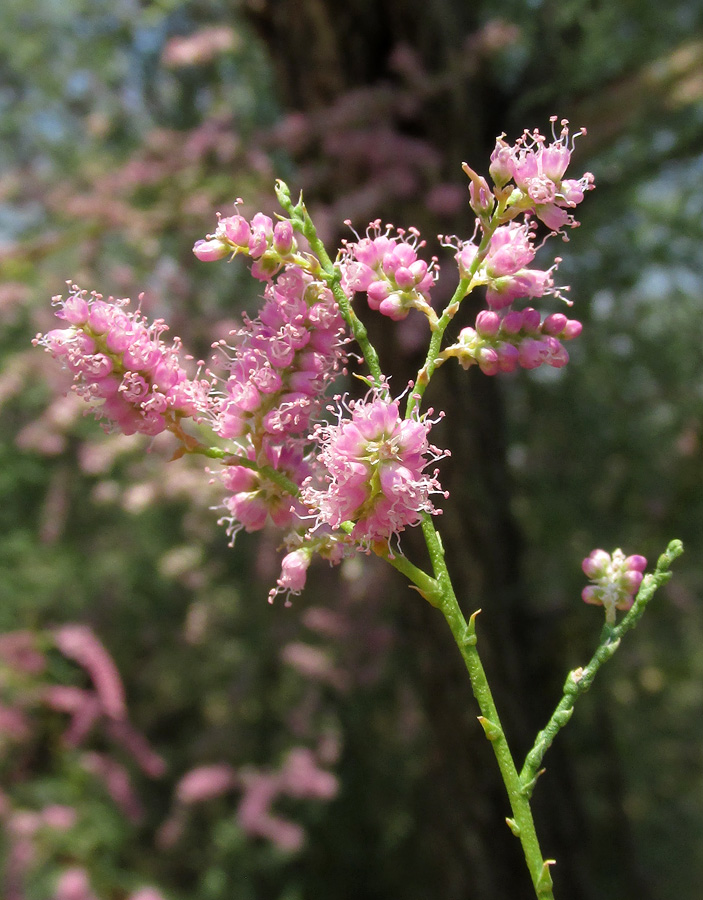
{"x": 580, "y": 679}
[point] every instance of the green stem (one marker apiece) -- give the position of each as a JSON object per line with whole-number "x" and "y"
{"x": 579, "y": 680}
{"x": 232, "y": 459}
{"x": 463, "y": 289}
{"x": 521, "y": 824}
{"x": 301, "y": 221}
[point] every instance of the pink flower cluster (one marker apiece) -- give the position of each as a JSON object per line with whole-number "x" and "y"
{"x": 504, "y": 267}
{"x": 282, "y": 361}
{"x": 373, "y": 466}
{"x": 333, "y": 488}
{"x": 538, "y": 173}
{"x": 120, "y": 361}
{"x": 270, "y": 246}
{"x": 504, "y": 338}
{"x": 253, "y": 498}
{"x": 300, "y": 776}
{"x": 389, "y": 270}
{"x": 280, "y": 365}
{"x": 615, "y": 578}
{"x": 518, "y": 338}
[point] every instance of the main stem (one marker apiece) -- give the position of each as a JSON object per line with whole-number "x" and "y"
{"x": 522, "y": 824}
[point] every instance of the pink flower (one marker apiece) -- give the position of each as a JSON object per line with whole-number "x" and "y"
{"x": 615, "y": 578}
{"x": 146, "y": 893}
{"x": 503, "y": 340}
{"x": 78, "y": 642}
{"x": 270, "y": 246}
{"x": 294, "y": 569}
{"x": 373, "y": 467}
{"x": 116, "y": 781}
{"x": 538, "y": 171}
{"x": 282, "y": 361}
{"x": 122, "y": 366}
{"x": 205, "y": 782}
{"x": 73, "y": 884}
{"x": 388, "y": 269}
{"x": 255, "y": 497}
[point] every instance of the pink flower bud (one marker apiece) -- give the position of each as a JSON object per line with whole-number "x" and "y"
{"x": 393, "y": 307}
{"x": 501, "y": 169}
{"x": 283, "y": 241}
{"x": 508, "y": 357}
{"x": 75, "y": 310}
{"x": 531, "y": 354}
{"x": 531, "y": 320}
{"x": 596, "y": 563}
{"x": 377, "y": 291}
{"x": 236, "y": 229}
{"x": 636, "y": 562}
{"x": 294, "y": 569}
{"x": 632, "y": 580}
{"x": 404, "y": 278}
{"x": 465, "y": 258}
{"x": 209, "y": 251}
{"x": 488, "y": 360}
{"x": 404, "y": 254}
{"x": 590, "y": 594}
{"x": 572, "y": 330}
{"x": 418, "y": 269}
{"x": 488, "y": 323}
{"x": 554, "y": 324}
{"x": 512, "y": 322}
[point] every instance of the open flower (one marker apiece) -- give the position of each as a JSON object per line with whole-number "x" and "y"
{"x": 538, "y": 171}
{"x": 374, "y": 467}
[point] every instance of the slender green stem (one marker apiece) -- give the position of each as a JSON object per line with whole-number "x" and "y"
{"x": 579, "y": 680}
{"x": 464, "y": 633}
{"x": 463, "y": 289}
{"x": 233, "y": 459}
{"x": 301, "y": 221}
{"x": 426, "y": 585}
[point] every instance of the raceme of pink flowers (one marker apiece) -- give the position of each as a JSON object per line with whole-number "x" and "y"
{"x": 282, "y": 361}
{"x": 270, "y": 246}
{"x": 331, "y": 489}
{"x": 121, "y": 365}
{"x": 538, "y": 170}
{"x": 502, "y": 342}
{"x": 374, "y": 471}
{"x": 387, "y": 268}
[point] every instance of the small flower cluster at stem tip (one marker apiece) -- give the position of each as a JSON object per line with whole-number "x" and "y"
{"x": 615, "y": 578}
{"x": 528, "y": 181}
{"x": 349, "y": 477}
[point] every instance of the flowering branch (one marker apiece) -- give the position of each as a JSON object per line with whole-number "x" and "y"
{"x": 351, "y": 476}
{"x": 579, "y": 680}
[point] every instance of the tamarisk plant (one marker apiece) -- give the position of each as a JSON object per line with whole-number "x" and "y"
{"x": 349, "y": 476}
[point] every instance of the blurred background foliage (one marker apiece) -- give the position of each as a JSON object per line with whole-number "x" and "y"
{"x": 124, "y": 126}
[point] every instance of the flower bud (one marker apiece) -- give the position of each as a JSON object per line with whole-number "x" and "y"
{"x": 283, "y": 240}
{"x": 488, "y": 323}
{"x": 236, "y": 229}
{"x": 210, "y": 250}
